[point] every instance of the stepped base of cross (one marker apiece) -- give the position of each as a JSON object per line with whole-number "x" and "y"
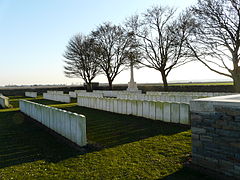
{"x": 132, "y": 87}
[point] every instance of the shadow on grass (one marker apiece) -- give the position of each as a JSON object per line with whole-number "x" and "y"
{"x": 110, "y": 129}
{"x": 45, "y": 101}
{"x": 23, "y": 141}
{"x": 187, "y": 173}
{"x": 14, "y": 103}
{"x": 16, "y": 97}
{"x": 50, "y": 102}
{"x": 14, "y": 100}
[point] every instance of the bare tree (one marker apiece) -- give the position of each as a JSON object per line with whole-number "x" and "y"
{"x": 82, "y": 59}
{"x": 216, "y": 40}
{"x": 114, "y": 43}
{"x": 162, "y": 38}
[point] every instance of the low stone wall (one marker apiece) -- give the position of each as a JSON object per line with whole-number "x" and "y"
{"x": 31, "y": 94}
{"x": 164, "y": 111}
{"x": 57, "y": 97}
{"x": 216, "y": 134}
{"x": 70, "y": 125}
{"x": 4, "y": 101}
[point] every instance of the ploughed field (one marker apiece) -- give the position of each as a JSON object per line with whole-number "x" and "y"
{"x": 119, "y": 147}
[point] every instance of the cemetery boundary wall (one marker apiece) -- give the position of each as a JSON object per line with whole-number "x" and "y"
{"x": 215, "y": 124}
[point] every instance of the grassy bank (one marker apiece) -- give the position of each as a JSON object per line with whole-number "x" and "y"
{"x": 120, "y": 147}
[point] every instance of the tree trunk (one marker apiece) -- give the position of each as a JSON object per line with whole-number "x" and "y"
{"x": 236, "y": 80}
{"x": 89, "y": 87}
{"x": 164, "y": 79}
{"x": 110, "y": 83}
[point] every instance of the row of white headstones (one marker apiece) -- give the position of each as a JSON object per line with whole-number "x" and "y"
{"x": 168, "y": 107}
{"x": 152, "y": 105}
{"x": 4, "y": 101}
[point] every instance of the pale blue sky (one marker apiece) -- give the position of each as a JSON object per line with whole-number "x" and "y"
{"x": 34, "y": 33}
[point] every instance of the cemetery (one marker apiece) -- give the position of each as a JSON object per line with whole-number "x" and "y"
{"x": 203, "y": 129}
{"x": 208, "y": 115}
{"x": 171, "y": 126}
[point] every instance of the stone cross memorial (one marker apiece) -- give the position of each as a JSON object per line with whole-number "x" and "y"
{"x": 132, "y": 86}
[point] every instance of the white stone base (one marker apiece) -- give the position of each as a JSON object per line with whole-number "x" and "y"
{"x": 132, "y": 87}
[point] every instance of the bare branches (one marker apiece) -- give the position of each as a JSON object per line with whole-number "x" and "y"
{"x": 81, "y": 58}
{"x": 115, "y": 44}
{"x": 208, "y": 32}
{"x": 216, "y": 40}
{"x": 162, "y": 38}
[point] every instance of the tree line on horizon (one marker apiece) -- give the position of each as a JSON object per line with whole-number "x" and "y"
{"x": 161, "y": 39}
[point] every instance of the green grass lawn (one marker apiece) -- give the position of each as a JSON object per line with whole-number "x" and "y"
{"x": 120, "y": 147}
{"x": 14, "y": 100}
